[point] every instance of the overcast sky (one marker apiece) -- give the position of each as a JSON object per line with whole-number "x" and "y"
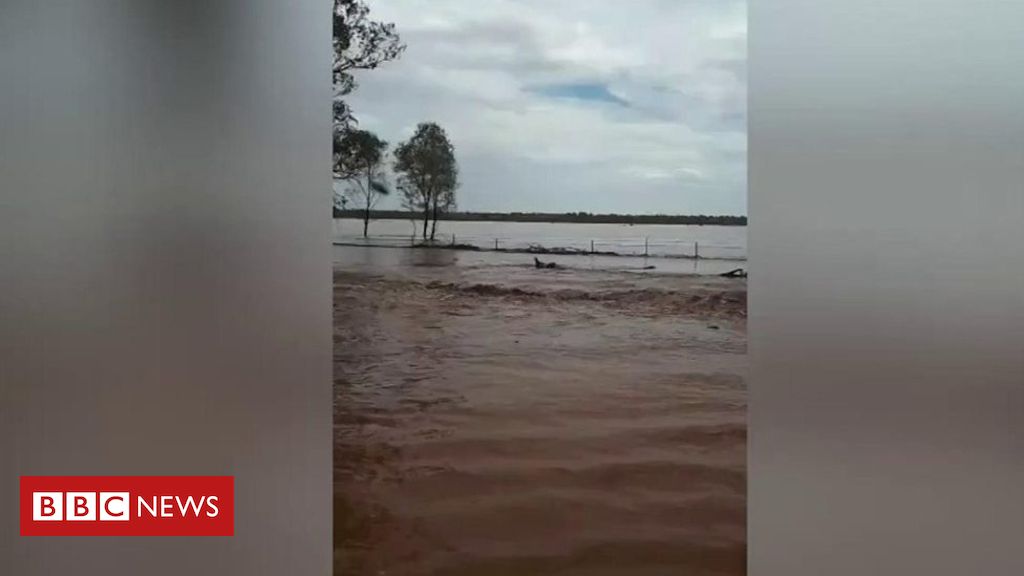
{"x": 573, "y": 105}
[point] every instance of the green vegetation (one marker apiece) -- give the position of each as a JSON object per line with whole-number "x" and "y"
{"x": 427, "y": 174}
{"x": 359, "y": 44}
{"x": 359, "y": 161}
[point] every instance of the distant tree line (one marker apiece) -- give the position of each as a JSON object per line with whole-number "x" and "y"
{"x": 576, "y": 217}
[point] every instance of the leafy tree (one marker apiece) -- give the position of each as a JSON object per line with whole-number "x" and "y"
{"x": 427, "y": 173}
{"x": 358, "y": 159}
{"x": 359, "y": 44}
{"x": 444, "y": 202}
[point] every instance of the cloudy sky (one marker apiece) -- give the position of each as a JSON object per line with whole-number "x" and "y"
{"x": 573, "y": 105}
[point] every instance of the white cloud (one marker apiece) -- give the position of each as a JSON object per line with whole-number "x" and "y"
{"x": 566, "y": 106}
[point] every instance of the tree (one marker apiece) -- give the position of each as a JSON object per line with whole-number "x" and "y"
{"x": 359, "y": 44}
{"x": 427, "y": 173}
{"x": 358, "y": 159}
{"x": 444, "y": 202}
{"x": 340, "y": 204}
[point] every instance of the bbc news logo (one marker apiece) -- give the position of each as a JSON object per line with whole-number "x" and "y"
{"x": 127, "y": 505}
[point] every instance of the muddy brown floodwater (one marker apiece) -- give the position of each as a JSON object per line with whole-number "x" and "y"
{"x": 531, "y": 422}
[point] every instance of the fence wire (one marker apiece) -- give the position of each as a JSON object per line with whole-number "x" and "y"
{"x": 637, "y": 246}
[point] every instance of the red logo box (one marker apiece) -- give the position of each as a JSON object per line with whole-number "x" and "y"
{"x": 127, "y": 505}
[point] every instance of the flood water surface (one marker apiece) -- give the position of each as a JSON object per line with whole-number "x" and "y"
{"x": 514, "y": 421}
{"x": 670, "y": 248}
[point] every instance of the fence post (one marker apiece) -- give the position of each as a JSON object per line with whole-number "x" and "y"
{"x": 453, "y": 239}
{"x": 645, "y": 246}
{"x": 696, "y": 250}
{"x": 495, "y": 243}
{"x": 591, "y": 246}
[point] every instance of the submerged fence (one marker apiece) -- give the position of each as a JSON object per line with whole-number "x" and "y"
{"x": 635, "y": 246}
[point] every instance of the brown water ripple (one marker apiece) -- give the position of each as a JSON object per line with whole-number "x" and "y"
{"x": 526, "y": 434}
